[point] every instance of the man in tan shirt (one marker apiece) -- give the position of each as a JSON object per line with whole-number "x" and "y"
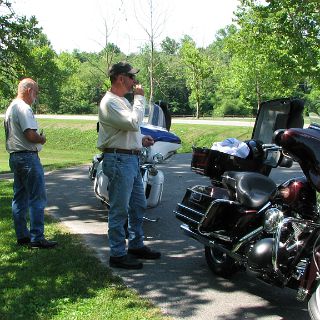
{"x": 120, "y": 141}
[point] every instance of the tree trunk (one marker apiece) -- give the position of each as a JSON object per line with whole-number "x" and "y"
{"x": 197, "y": 109}
{"x": 258, "y": 94}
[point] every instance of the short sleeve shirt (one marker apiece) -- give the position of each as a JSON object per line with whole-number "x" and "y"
{"x": 19, "y": 117}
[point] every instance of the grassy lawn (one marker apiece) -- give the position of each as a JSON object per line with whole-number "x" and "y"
{"x": 73, "y": 142}
{"x": 69, "y": 282}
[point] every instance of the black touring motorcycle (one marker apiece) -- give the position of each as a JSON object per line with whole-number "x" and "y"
{"x": 245, "y": 221}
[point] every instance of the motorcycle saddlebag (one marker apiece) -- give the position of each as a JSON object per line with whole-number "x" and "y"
{"x": 213, "y": 163}
{"x": 222, "y": 216}
{"x": 196, "y": 202}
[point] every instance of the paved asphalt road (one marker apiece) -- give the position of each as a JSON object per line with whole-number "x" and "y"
{"x": 180, "y": 283}
{"x": 225, "y": 122}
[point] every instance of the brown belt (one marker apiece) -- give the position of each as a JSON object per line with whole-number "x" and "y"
{"x": 126, "y": 151}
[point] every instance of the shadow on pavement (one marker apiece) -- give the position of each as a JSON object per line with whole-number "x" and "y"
{"x": 180, "y": 282}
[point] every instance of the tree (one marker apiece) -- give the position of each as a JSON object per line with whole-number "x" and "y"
{"x": 152, "y": 27}
{"x": 169, "y": 46}
{"x": 197, "y": 69}
{"x": 14, "y": 32}
{"x": 277, "y": 46}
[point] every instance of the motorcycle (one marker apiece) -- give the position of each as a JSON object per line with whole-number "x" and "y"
{"x": 247, "y": 222}
{"x": 165, "y": 146}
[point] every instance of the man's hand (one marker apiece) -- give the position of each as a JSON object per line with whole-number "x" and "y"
{"x": 32, "y": 136}
{"x": 147, "y": 141}
{"x": 138, "y": 90}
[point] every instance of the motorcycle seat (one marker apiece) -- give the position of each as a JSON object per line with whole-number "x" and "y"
{"x": 251, "y": 189}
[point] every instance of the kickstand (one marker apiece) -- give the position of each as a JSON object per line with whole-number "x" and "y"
{"x": 151, "y": 220}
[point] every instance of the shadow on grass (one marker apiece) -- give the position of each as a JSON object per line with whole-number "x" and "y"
{"x": 35, "y": 284}
{"x": 40, "y": 284}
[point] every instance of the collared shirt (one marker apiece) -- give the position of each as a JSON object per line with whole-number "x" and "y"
{"x": 119, "y": 122}
{"x": 18, "y": 118}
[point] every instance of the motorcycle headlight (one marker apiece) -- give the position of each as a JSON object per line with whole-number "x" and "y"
{"x": 271, "y": 220}
{"x": 158, "y": 158}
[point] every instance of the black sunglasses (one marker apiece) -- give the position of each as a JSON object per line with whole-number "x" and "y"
{"x": 130, "y": 75}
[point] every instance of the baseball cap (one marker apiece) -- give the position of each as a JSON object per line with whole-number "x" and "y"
{"x": 122, "y": 68}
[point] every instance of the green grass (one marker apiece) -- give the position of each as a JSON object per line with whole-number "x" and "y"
{"x": 205, "y": 135}
{"x": 67, "y": 282}
{"x": 73, "y": 142}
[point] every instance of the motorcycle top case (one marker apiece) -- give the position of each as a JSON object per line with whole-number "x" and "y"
{"x": 275, "y": 114}
{"x": 213, "y": 163}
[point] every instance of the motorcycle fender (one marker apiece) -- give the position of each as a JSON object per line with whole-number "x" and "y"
{"x": 310, "y": 275}
{"x": 157, "y": 179}
{"x": 101, "y": 185}
{"x": 154, "y": 189}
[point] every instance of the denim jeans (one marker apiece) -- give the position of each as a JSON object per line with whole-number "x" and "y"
{"x": 127, "y": 201}
{"x": 29, "y": 195}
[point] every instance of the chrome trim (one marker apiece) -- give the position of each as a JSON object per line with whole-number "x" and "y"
{"x": 247, "y": 238}
{"x": 277, "y": 238}
{"x": 209, "y": 243}
{"x": 268, "y": 204}
{"x": 189, "y": 209}
{"x": 185, "y": 217}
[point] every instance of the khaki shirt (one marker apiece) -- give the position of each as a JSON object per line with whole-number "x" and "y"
{"x": 119, "y": 122}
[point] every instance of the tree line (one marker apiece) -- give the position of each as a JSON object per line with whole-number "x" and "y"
{"x": 271, "y": 50}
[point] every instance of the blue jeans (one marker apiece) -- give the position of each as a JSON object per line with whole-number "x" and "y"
{"x": 29, "y": 195}
{"x": 127, "y": 201}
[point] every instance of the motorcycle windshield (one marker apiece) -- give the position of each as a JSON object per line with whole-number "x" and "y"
{"x": 277, "y": 114}
{"x": 304, "y": 146}
{"x": 159, "y": 115}
{"x": 159, "y": 134}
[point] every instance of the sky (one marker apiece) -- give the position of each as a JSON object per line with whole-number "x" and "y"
{"x": 81, "y": 24}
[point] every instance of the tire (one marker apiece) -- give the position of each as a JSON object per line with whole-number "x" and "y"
{"x": 220, "y": 263}
{"x": 313, "y": 305}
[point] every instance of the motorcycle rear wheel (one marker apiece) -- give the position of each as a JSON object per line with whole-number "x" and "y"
{"x": 220, "y": 263}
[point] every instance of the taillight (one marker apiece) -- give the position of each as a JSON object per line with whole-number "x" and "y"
{"x": 290, "y": 192}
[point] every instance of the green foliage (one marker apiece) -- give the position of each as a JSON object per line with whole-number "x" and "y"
{"x": 169, "y": 46}
{"x": 14, "y": 32}
{"x": 197, "y": 69}
{"x": 205, "y": 135}
{"x": 272, "y": 51}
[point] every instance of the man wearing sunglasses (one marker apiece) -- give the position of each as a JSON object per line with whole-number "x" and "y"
{"x": 120, "y": 141}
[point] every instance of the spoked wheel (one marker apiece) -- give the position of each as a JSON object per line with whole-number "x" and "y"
{"x": 220, "y": 263}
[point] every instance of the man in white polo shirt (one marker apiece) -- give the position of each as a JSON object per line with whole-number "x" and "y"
{"x": 23, "y": 142}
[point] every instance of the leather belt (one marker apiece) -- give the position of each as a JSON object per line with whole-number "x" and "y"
{"x": 24, "y": 151}
{"x": 125, "y": 151}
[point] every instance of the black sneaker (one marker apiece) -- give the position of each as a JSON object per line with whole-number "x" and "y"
{"x": 23, "y": 241}
{"x": 145, "y": 253}
{"x": 43, "y": 244}
{"x": 125, "y": 262}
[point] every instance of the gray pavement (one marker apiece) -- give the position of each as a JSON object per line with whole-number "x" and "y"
{"x": 180, "y": 283}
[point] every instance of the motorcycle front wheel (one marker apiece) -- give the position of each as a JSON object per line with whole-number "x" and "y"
{"x": 219, "y": 262}
{"x": 314, "y": 305}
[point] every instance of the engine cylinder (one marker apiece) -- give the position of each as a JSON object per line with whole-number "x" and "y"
{"x": 260, "y": 255}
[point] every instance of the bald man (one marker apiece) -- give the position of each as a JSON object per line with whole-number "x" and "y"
{"x": 23, "y": 142}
